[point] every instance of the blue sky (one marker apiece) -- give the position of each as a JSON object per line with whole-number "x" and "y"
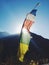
{"x": 13, "y": 13}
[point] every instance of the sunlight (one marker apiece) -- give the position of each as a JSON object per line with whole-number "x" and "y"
{"x": 18, "y": 29}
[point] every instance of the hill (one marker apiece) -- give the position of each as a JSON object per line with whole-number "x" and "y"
{"x": 4, "y": 34}
{"x": 38, "y": 48}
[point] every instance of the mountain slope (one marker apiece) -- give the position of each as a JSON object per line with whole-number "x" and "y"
{"x": 38, "y": 48}
{"x": 4, "y": 34}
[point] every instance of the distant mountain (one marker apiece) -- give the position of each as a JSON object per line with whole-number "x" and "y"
{"x": 4, "y": 34}
{"x": 38, "y": 47}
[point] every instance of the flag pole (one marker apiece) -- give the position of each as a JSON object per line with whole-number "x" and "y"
{"x": 36, "y": 5}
